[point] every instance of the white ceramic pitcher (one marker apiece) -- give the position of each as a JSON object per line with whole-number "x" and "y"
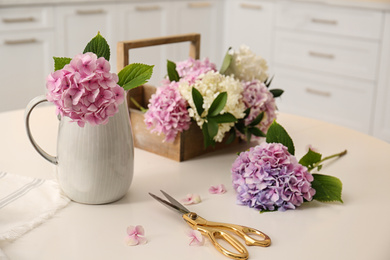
{"x": 94, "y": 163}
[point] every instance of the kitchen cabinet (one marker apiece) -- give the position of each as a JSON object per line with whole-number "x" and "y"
{"x": 326, "y": 59}
{"x": 77, "y": 24}
{"x": 147, "y": 20}
{"x": 251, "y": 23}
{"x": 206, "y": 18}
{"x": 382, "y": 108}
{"x": 26, "y": 49}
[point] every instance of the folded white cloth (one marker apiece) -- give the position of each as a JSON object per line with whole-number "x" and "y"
{"x": 25, "y": 203}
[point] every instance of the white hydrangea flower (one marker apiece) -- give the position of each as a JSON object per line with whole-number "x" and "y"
{"x": 247, "y": 66}
{"x": 210, "y": 86}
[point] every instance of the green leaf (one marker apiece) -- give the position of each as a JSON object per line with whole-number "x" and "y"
{"x": 257, "y": 120}
{"x": 172, "y": 72}
{"x": 232, "y": 136}
{"x": 276, "y": 92}
{"x": 256, "y": 132}
{"x": 198, "y": 101}
{"x": 134, "y": 75}
{"x": 218, "y": 104}
{"x": 268, "y": 82}
{"x": 240, "y": 126}
{"x": 328, "y": 188}
{"x": 59, "y": 63}
{"x": 226, "y": 62}
{"x": 267, "y": 210}
{"x": 206, "y": 138}
{"x": 246, "y": 112}
{"x": 99, "y": 46}
{"x": 277, "y": 134}
{"x": 224, "y": 118}
{"x": 212, "y": 127}
{"x": 248, "y": 135}
{"x": 310, "y": 158}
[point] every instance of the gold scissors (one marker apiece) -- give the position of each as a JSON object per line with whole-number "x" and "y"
{"x": 214, "y": 230}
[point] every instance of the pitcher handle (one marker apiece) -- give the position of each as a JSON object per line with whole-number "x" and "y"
{"x": 31, "y": 105}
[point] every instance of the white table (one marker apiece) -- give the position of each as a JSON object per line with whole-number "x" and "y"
{"x": 357, "y": 229}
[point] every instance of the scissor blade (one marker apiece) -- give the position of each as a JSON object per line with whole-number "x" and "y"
{"x": 175, "y": 202}
{"x": 168, "y": 204}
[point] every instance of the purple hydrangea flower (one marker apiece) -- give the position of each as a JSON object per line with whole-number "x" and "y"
{"x": 268, "y": 177}
{"x": 189, "y": 70}
{"x": 258, "y": 98}
{"x": 167, "y": 112}
{"x": 85, "y": 90}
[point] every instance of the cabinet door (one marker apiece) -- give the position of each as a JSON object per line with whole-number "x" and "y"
{"x": 250, "y": 23}
{"x": 382, "y": 108}
{"x": 205, "y": 18}
{"x": 142, "y": 21}
{"x": 78, "y": 24}
{"x": 26, "y": 60}
{"x": 343, "y": 101}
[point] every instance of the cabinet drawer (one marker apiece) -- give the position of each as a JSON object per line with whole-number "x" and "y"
{"x": 24, "y": 18}
{"x": 336, "y": 55}
{"x": 334, "y": 99}
{"x": 251, "y": 23}
{"x": 330, "y": 19}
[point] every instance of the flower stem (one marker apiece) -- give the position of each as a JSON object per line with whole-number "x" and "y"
{"x": 329, "y": 157}
{"x": 138, "y": 105}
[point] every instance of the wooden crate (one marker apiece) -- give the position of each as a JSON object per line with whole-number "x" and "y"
{"x": 187, "y": 144}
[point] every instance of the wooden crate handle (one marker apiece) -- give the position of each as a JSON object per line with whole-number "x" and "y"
{"x": 124, "y": 46}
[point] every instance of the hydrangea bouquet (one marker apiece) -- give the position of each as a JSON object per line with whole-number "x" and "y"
{"x": 83, "y": 88}
{"x": 235, "y": 100}
{"x": 268, "y": 177}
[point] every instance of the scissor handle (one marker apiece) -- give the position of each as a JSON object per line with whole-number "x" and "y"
{"x": 244, "y": 232}
{"x": 213, "y": 234}
{"x": 215, "y": 230}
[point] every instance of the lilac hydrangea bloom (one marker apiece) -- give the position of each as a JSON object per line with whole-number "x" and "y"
{"x": 85, "y": 90}
{"x": 258, "y": 98}
{"x": 268, "y": 177}
{"x": 167, "y": 112}
{"x": 189, "y": 70}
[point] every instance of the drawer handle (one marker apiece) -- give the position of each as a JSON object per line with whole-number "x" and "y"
{"x": 148, "y": 8}
{"x": 199, "y": 5}
{"x": 318, "y": 92}
{"x": 88, "y": 12}
{"x": 321, "y": 55}
{"x": 21, "y": 41}
{"x": 324, "y": 21}
{"x": 19, "y": 20}
{"x": 251, "y": 6}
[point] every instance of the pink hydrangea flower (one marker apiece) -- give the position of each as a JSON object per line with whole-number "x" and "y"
{"x": 167, "y": 112}
{"x": 85, "y": 90}
{"x": 191, "y": 199}
{"x": 196, "y": 238}
{"x": 218, "y": 189}
{"x": 268, "y": 177}
{"x": 258, "y": 98}
{"x": 135, "y": 236}
{"x": 191, "y": 69}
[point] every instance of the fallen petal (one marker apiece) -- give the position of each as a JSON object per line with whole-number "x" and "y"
{"x": 135, "y": 235}
{"x": 191, "y": 199}
{"x": 218, "y": 189}
{"x": 132, "y": 240}
{"x": 196, "y": 238}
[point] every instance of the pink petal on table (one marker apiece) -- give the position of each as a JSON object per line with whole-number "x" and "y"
{"x": 196, "y": 238}
{"x": 191, "y": 199}
{"x": 135, "y": 235}
{"x": 218, "y": 189}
